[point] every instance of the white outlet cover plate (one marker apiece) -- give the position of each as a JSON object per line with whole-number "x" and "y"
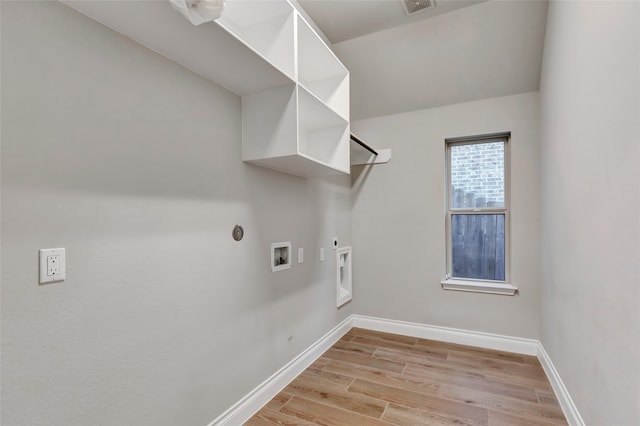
{"x": 61, "y": 275}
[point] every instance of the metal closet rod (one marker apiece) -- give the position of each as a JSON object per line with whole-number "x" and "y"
{"x": 362, "y": 144}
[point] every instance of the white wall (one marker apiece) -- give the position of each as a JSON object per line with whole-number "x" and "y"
{"x": 590, "y": 97}
{"x": 398, "y": 218}
{"x": 133, "y": 164}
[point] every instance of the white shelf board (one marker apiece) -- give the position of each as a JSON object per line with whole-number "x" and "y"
{"x": 207, "y": 49}
{"x": 298, "y": 165}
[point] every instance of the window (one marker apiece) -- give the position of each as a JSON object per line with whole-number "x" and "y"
{"x": 477, "y": 222}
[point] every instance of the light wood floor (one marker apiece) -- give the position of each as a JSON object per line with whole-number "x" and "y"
{"x": 373, "y": 378}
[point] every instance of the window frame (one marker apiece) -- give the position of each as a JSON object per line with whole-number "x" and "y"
{"x": 473, "y": 284}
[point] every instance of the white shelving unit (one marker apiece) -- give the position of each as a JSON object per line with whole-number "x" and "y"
{"x": 295, "y": 91}
{"x": 300, "y": 128}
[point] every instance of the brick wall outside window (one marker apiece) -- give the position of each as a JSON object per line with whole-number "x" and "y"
{"x": 477, "y": 175}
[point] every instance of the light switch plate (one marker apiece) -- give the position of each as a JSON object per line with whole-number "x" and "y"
{"x": 300, "y": 255}
{"x": 52, "y": 265}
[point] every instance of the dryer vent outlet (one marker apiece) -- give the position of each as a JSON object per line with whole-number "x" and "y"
{"x": 416, "y": 6}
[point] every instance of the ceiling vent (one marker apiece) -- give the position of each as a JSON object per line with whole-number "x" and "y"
{"x": 416, "y": 6}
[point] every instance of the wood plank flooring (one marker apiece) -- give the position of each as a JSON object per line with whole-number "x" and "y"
{"x": 373, "y": 378}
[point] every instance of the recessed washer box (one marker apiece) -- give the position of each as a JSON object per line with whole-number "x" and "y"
{"x": 280, "y": 256}
{"x": 343, "y": 275}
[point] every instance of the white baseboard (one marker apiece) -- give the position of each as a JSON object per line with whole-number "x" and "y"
{"x": 451, "y": 335}
{"x": 252, "y": 402}
{"x": 242, "y": 410}
{"x": 562, "y": 394}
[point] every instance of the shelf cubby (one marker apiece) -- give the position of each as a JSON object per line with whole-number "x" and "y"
{"x": 269, "y": 123}
{"x": 320, "y": 71}
{"x": 290, "y": 130}
{"x": 323, "y": 135}
{"x": 266, "y": 27}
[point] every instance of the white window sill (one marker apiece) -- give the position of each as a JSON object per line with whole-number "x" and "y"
{"x": 479, "y": 287}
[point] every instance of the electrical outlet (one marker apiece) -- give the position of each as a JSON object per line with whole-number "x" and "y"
{"x": 321, "y": 254}
{"x": 52, "y": 265}
{"x": 300, "y": 255}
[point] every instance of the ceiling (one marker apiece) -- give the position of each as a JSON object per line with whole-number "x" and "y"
{"x": 465, "y": 53}
{"x": 342, "y": 20}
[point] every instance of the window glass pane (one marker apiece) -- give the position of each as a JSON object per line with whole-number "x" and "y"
{"x": 477, "y": 175}
{"x": 477, "y": 243}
